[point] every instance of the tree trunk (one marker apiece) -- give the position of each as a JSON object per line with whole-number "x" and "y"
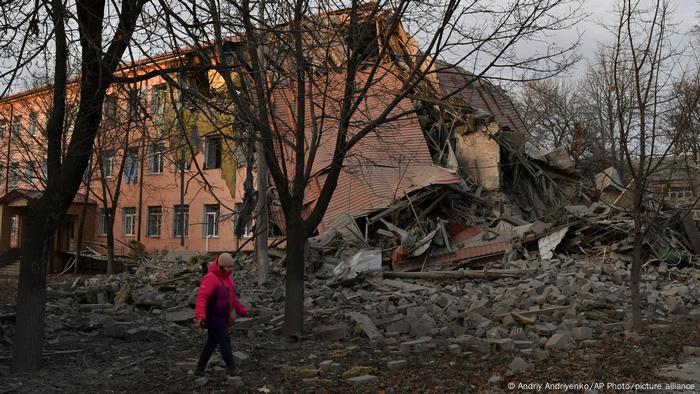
{"x": 294, "y": 290}
{"x": 81, "y": 229}
{"x": 261, "y": 252}
{"x": 635, "y": 273}
{"x": 31, "y": 294}
{"x": 110, "y": 244}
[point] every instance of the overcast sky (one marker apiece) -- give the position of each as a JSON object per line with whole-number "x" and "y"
{"x": 601, "y": 12}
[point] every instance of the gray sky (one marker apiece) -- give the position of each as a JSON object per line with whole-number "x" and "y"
{"x": 601, "y": 12}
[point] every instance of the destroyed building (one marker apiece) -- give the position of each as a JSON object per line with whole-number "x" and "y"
{"x": 445, "y": 142}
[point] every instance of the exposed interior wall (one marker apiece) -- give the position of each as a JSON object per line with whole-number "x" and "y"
{"x": 479, "y": 156}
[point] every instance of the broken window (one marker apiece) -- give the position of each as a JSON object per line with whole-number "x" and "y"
{"x": 248, "y": 228}
{"x": 212, "y": 152}
{"x": 128, "y": 220}
{"x": 194, "y": 84}
{"x": 154, "y": 218}
{"x": 211, "y": 220}
{"x": 181, "y": 220}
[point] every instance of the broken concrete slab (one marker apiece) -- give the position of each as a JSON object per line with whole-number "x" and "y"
{"x": 396, "y": 364}
{"x": 560, "y": 341}
{"x": 367, "y": 325}
{"x": 362, "y": 379}
{"x": 582, "y": 333}
{"x": 335, "y": 332}
{"x": 184, "y": 316}
{"x": 548, "y": 243}
{"x": 519, "y": 365}
{"x": 365, "y": 263}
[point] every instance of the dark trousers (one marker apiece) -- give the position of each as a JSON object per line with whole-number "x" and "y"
{"x": 217, "y": 336}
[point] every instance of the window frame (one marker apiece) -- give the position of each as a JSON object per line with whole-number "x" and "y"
{"x": 29, "y": 172}
{"x": 15, "y": 175}
{"x": 128, "y": 220}
{"x": 156, "y": 159}
{"x": 107, "y": 157}
{"x": 102, "y": 222}
{"x": 33, "y": 124}
{"x": 185, "y": 217}
{"x": 17, "y": 126}
{"x": 211, "y": 211}
{"x": 217, "y": 142}
{"x": 154, "y": 221}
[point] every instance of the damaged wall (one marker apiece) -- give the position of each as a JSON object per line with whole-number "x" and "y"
{"x": 479, "y": 156}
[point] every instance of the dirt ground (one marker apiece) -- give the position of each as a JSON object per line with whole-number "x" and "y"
{"x": 90, "y": 362}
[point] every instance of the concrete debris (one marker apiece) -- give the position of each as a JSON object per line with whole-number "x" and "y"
{"x": 519, "y": 365}
{"x": 366, "y": 263}
{"x": 547, "y": 244}
{"x": 529, "y": 288}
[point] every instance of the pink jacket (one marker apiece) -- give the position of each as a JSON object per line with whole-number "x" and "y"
{"x": 216, "y": 298}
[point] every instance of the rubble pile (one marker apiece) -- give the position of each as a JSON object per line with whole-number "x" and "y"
{"x": 444, "y": 269}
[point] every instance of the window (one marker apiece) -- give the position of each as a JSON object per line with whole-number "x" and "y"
{"x": 181, "y": 220}
{"x": 14, "y": 174}
{"x": 107, "y": 161}
{"x": 133, "y": 104}
{"x": 3, "y": 128}
{"x": 2, "y": 175}
{"x": 29, "y": 172}
{"x": 212, "y": 152}
{"x": 247, "y": 230}
{"x": 211, "y": 220}
{"x": 153, "y": 225}
{"x": 102, "y": 222}
{"x": 158, "y": 100}
{"x": 186, "y": 163}
{"x": 16, "y": 126}
{"x": 128, "y": 220}
{"x": 156, "y": 159}
{"x": 131, "y": 165}
{"x": 33, "y": 123}
{"x": 13, "y": 226}
{"x": 111, "y": 109}
{"x": 158, "y": 96}
{"x": 678, "y": 192}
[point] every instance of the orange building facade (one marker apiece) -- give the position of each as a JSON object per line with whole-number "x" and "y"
{"x": 147, "y": 133}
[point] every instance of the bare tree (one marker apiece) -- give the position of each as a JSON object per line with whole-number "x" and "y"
{"x": 601, "y": 110}
{"x": 551, "y": 109}
{"x": 642, "y": 55}
{"x": 98, "y": 63}
{"x": 329, "y": 77}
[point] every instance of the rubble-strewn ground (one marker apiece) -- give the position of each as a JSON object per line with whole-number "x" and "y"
{"x": 453, "y": 335}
